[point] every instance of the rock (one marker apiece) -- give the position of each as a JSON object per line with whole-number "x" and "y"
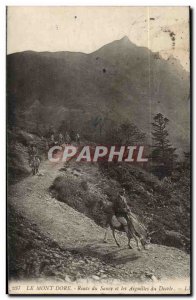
{"x": 81, "y": 261}
{"x": 78, "y": 275}
{"x": 115, "y": 281}
{"x": 154, "y": 279}
{"x": 95, "y": 277}
{"x": 83, "y": 280}
{"x": 152, "y": 270}
{"x": 54, "y": 244}
{"x": 40, "y": 174}
{"x": 93, "y": 259}
{"x": 148, "y": 274}
{"x": 142, "y": 277}
{"x": 60, "y": 279}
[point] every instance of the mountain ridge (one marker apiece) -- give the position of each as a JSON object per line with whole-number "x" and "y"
{"x": 114, "y": 82}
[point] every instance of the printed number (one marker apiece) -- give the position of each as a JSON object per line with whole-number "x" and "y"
{"x": 16, "y": 288}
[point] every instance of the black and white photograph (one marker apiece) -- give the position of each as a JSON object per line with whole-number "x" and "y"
{"x": 98, "y": 141}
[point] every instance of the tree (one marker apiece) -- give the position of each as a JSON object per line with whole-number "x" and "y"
{"x": 125, "y": 134}
{"x": 63, "y": 128}
{"x": 163, "y": 152}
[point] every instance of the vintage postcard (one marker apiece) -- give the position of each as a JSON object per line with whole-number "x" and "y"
{"x": 98, "y": 150}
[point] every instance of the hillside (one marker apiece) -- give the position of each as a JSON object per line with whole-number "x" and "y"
{"x": 119, "y": 81}
{"x": 61, "y": 244}
{"x": 163, "y": 206}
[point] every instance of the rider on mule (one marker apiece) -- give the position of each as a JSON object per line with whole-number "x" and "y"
{"x": 121, "y": 210}
{"x": 120, "y": 217}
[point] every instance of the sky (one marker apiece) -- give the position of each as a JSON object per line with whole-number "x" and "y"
{"x": 86, "y": 29}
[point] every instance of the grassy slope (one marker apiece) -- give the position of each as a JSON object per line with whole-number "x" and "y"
{"x": 163, "y": 206}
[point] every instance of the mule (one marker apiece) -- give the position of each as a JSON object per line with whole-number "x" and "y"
{"x": 127, "y": 226}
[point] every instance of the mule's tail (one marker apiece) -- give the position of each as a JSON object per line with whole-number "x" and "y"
{"x": 137, "y": 226}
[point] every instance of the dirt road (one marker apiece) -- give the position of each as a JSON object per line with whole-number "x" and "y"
{"x": 72, "y": 230}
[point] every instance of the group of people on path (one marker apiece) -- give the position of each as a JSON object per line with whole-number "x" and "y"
{"x": 53, "y": 140}
{"x": 60, "y": 138}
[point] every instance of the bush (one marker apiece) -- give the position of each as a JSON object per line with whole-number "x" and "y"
{"x": 76, "y": 193}
{"x": 159, "y": 204}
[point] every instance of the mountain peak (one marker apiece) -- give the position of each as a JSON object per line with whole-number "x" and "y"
{"x": 126, "y": 41}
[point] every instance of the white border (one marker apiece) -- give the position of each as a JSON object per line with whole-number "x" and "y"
{"x": 3, "y": 4}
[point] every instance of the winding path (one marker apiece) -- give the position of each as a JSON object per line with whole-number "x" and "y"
{"x": 73, "y": 230}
